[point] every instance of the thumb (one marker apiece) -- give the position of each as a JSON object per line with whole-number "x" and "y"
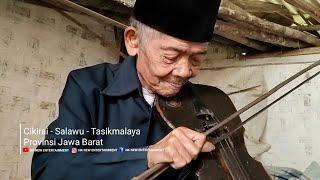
{"x": 207, "y": 147}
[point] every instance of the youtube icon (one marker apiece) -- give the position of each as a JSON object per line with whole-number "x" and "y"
{"x": 25, "y": 149}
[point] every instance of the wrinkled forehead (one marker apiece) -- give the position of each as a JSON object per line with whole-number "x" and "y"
{"x": 169, "y": 43}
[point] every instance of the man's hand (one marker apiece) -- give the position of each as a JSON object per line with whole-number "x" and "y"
{"x": 178, "y": 148}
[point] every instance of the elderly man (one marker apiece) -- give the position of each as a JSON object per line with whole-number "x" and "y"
{"x": 114, "y": 104}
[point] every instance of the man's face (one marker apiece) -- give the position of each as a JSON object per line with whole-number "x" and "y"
{"x": 166, "y": 63}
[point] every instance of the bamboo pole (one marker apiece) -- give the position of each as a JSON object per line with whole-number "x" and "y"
{"x": 307, "y": 22}
{"x": 313, "y": 11}
{"x": 270, "y": 26}
{"x": 295, "y": 52}
{"x": 258, "y": 35}
{"x": 242, "y": 40}
{"x": 302, "y": 15}
{"x": 261, "y": 6}
{"x": 223, "y": 40}
{"x": 307, "y": 28}
{"x": 91, "y": 13}
{"x": 316, "y": 3}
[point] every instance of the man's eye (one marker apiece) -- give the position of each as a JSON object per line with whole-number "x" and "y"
{"x": 195, "y": 62}
{"x": 168, "y": 60}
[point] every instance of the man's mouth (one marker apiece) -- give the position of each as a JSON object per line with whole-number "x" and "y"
{"x": 175, "y": 86}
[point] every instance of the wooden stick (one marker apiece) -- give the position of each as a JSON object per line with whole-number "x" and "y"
{"x": 223, "y": 40}
{"x": 316, "y": 3}
{"x": 91, "y": 13}
{"x": 302, "y": 15}
{"x": 307, "y": 28}
{"x": 229, "y": 4}
{"x": 289, "y": 19}
{"x": 258, "y": 35}
{"x": 296, "y": 52}
{"x": 265, "y": 7}
{"x": 242, "y": 40}
{"x": 270, "y": 26}
{"x": 307, "y": 7}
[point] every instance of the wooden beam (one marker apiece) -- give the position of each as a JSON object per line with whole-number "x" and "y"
{"x": 307, "y": 28}
{"x": 305, "y": 19}
{"x": 297, "y": 52}
{"x": 316, "y": 3}
{"x": 289, "y": 19}
{"x": 258, "y": 35}
{"x": 273, "y": 12}
{"x": 91, "y": 13}
{"x": 242, "y": 40}
{"x": 223, "y": 40}
{"x": 307, "y": 7}
{"x": 270, "y": 26}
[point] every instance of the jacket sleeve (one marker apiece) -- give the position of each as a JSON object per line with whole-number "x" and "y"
{"x": 74, "y": 113}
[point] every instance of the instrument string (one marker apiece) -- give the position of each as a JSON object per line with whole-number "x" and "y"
{"x": 227, "y": 135}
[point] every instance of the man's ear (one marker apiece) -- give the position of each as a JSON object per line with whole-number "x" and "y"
{"x": 131, "y": 40}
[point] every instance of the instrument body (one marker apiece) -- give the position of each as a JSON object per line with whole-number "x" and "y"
{"x": 201, "y": 107}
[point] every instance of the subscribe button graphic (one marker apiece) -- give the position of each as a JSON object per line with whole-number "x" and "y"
{"x": 25, "y": 149}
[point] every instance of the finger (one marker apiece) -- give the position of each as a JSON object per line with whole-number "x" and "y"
{"x": 192, "y": 148}
{"x": 183, "y": 151}
{"x": 184, "y": 157}
{"x": 197, "y": 137}
{"x": 207, "y": 147}
{"x": 155, "y": 157}
{"x": 177, "y": 159}
{"x": 164, "y": 139}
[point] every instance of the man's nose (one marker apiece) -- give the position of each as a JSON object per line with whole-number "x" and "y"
{"x": 183, "y": 69}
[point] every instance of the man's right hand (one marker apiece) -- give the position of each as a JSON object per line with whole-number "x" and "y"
{"x": 178, "y": 148}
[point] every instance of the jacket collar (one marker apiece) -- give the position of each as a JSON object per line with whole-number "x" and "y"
{"x": 125, "y": 80}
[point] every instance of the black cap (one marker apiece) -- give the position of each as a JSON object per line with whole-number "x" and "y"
{"x": 191, "y": 20}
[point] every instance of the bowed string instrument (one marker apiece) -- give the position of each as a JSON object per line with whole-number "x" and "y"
{"x": 230, "y": 159}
